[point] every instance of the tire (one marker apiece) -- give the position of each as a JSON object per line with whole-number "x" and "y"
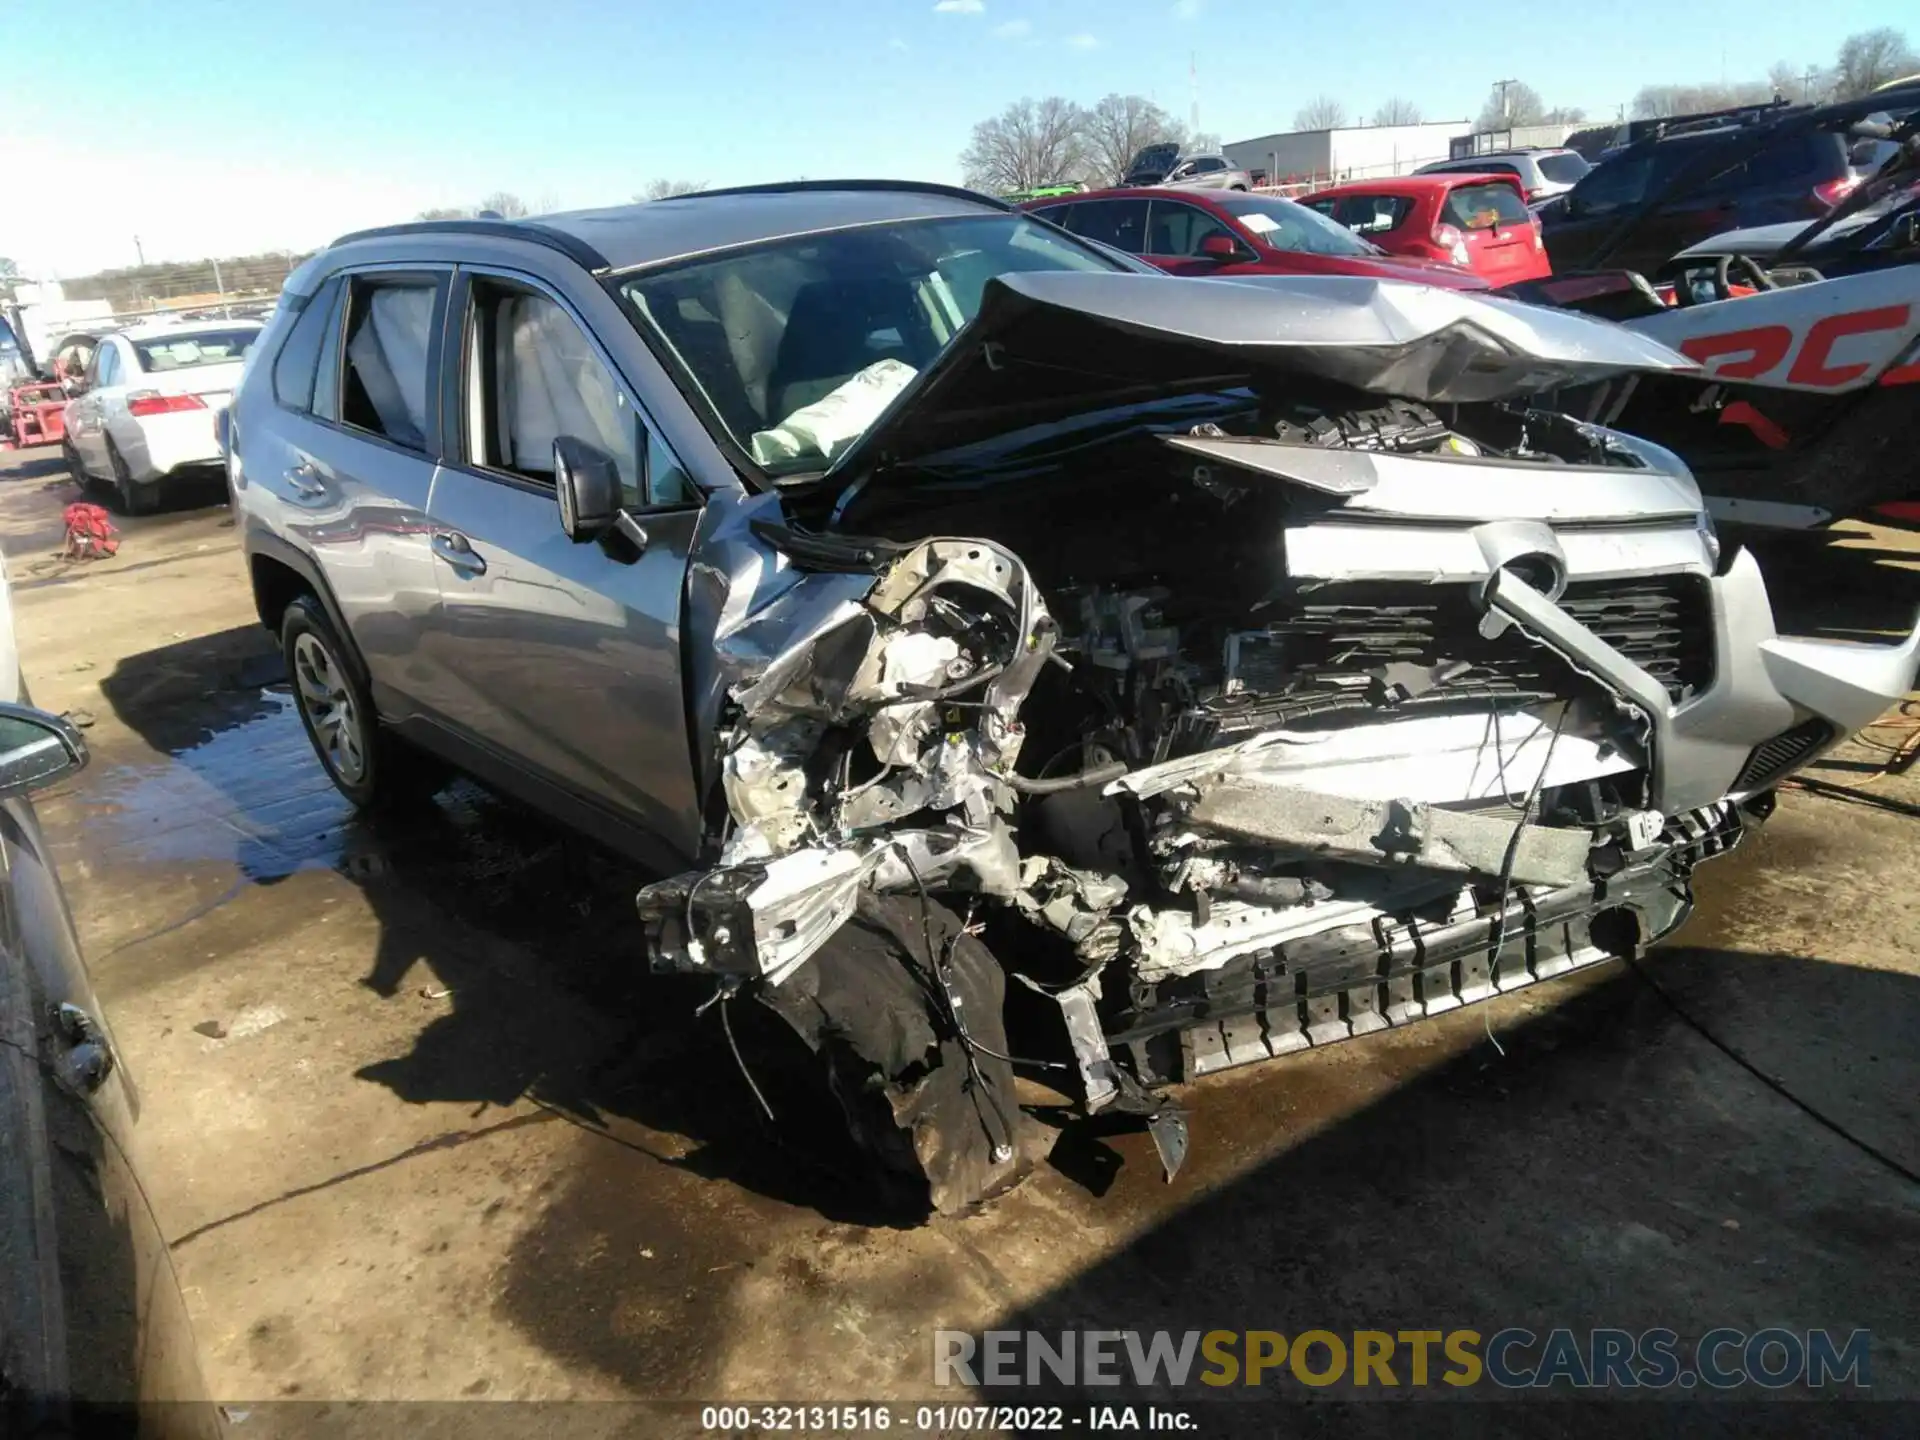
{"x": 135, "y": 498}
{"x": 371, "y": 767}
{"x": 904, "y": 1081}
{"x": 76, "y": 468}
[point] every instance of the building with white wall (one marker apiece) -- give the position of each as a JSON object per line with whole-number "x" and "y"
{"x": 1351, "y": 152}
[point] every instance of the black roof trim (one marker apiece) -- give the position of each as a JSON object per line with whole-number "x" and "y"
{"x": 921, "y": 187}
{"x": 571, "y": 246}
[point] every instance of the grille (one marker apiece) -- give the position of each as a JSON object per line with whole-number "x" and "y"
{"x": 1773, "y": 758}
{"x": 1662, "y": 624}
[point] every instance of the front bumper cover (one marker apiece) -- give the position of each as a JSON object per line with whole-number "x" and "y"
{"x": 1764, "y": 684}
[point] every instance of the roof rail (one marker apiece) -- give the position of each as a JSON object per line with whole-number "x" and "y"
{"x": 532, "y": 231}
{"x": 926, "y": 187}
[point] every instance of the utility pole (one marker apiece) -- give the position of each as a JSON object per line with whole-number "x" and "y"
{"x": 1806, "y": 86}
{"x": 1193, "y": 95}
{"x": 1506, "y": 115}
{"x": 138, "y": 251}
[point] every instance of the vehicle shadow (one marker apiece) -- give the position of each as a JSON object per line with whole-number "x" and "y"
{"x": 1838, "y": 584}
{"x": 1613, "y": 1164}
{"x": 525, "y": 931}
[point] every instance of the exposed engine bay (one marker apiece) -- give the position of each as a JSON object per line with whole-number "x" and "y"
{"x": 1301, "y": 715}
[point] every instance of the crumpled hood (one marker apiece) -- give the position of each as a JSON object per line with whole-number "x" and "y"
{"x": 1051, "y": 344}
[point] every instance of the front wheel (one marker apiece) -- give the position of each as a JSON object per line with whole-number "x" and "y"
{"x": 369, "y": 766}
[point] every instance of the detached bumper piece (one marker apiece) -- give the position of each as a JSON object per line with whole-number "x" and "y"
{"x": 1351, "y": 982}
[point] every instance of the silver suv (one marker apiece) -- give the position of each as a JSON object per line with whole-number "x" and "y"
{"x": 1543, "y": 174}
{"x": 1241, "y": 665}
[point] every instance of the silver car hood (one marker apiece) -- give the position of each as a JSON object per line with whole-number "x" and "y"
{"x": 1052, "y": 344}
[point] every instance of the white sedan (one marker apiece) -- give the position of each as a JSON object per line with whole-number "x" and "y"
{"x": 147, "y": 405}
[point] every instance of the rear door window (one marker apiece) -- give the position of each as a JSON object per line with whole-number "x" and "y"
{"x": 1119, "y": 223}
{"x": 298, "y": 362}
{"x": 1483, "y": 207}
{"x": 391, "y": 326}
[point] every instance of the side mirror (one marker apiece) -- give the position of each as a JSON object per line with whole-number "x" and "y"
{"x": 36, "y": 749}
{"x": 587, "y": 485}
{"x": 1219, "y": 247}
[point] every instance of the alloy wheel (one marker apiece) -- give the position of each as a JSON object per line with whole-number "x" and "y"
{"x": 330, "y": 710}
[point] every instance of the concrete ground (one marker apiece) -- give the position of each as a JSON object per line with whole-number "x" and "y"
{"x": 419, "y": 1126}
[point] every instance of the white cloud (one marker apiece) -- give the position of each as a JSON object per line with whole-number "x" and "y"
{"x": 896, "y": 43}
{"x": 1187, "y": 9}
{"x": 960, "y": 7}
{"x": 1084, "y": 41}
{"x": 1014, "y": 29}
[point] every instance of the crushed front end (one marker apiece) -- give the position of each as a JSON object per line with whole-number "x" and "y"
{"x": 1251, "y": 712}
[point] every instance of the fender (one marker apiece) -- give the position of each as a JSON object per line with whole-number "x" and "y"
{"x": 263, "y": 543}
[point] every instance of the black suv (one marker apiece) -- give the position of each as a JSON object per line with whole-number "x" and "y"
{"x": 1798, "y": 177}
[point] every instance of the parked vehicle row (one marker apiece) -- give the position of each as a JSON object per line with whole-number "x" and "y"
{"x": 1225, "y": 234}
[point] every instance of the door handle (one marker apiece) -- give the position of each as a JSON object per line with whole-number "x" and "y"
{"x": 306, "y": 481}
{"x": 454, "y": 549}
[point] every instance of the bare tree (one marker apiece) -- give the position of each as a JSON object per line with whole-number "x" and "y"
{"x": 1397, "y": 111}
{"x": 1030, "y": 143}
{"x": 1870, "y": 59}
{"x": 1657, "y": 102}
{"x": 506, "y": 204}
{"x": 1787, "y": 81}
{"x": 446, "y": 212}
{"x": 1514, "y": 103}
{"x": 1117, "y": 129}
{"x": 667, "y": 189}
{"x": 1323, "y": 112}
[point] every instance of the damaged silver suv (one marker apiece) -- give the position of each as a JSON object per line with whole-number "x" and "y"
{"x": 1237, "y": 666}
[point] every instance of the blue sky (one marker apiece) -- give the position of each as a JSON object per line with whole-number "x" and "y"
{"x": 209, "y": 126}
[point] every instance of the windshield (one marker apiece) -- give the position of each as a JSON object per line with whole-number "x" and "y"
{"x": 193, "y": 348}
{"x": 1564, "y": 168}
{"x": 1287, "y": 226}
{"x": 795, "y": 347}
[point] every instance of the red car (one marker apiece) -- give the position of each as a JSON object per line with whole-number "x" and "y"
{"x": 1478, "y": 222}
{"x": 1226, "y": 232}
